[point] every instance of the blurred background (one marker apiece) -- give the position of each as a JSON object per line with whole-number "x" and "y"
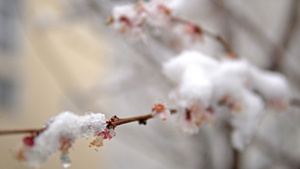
{"x": 59, "y": 55}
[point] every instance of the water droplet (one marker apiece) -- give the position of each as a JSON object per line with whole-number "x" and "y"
{"x": 65, "y": 160}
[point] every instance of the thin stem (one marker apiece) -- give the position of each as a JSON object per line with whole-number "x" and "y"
{"x": 221, "y": 40}
{"x": 140, "y": 119}
{"x": 21, "y": 131}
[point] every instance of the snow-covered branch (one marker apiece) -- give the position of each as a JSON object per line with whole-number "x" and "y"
{"x": 62, "y": 130}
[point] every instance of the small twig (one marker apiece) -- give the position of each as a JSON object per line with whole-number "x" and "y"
{"x": 210, "y": 34}
{"x": 132, "y": 119}
{"x": 220, "y": 39}
{"x": 141, "y": 119}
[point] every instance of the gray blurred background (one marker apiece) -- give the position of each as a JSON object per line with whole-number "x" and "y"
{"x": 59, "y": 55}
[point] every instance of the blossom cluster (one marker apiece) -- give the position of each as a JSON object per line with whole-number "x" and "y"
{"x": 133, "y": 19}
{"x": 235, "y": 90}
{"x": 60, "y": 134}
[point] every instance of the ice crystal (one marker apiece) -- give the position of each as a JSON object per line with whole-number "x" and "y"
{"x": 65, "y": 160}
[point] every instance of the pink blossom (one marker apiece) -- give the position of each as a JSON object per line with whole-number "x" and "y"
{"x": 195, "y": 116}
{"x": 194, "y": 32}
{"x": 28, "y": 141}
{"x": 277, "y": 104}
{"x": 106, "y": 134}
{"x": 128, "y": 19}
{"x": 159, "y": 109}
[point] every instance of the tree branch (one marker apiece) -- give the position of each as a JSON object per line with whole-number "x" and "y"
{"x": 141, "y": 119}
{"x": 291, "y": 25}
{"x": 236, "y": 159}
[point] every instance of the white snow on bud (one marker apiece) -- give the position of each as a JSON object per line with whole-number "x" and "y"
{"x": 277, "y": 92}
{"x": 208, "y": 84}
{"x": 65, "y": 126}
{"x": 244, "y": 123}
{"x": 195, "y": 87}
{"x": 176, "y": 67}
{"x": 231, "y": 76}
